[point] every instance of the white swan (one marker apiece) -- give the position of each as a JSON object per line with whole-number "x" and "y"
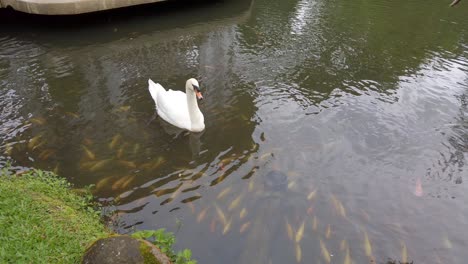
{"x": 178, "y": 108}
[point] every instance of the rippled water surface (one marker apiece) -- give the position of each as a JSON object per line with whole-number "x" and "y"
{"x": 336, "y": 131}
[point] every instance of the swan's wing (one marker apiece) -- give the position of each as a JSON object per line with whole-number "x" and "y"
{"x": 172, "y": 107}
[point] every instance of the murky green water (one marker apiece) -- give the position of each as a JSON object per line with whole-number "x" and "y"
{"x": 335, "y": 130}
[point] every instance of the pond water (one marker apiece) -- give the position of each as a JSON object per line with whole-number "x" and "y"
{"x": 336, "y": 131}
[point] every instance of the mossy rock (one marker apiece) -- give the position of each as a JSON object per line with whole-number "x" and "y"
{"x": 123, "y": 250}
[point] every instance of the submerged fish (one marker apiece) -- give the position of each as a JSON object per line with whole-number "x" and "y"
{"x": 298, "y": 253}
{"x": 100, "y": 164}
{"x": 127, "y": 164}
{"x": 300, "y": 232}
{"x": 289, "y": 230}
{"x": 89, "y": 154}
{"x": 71, "y": 114}
{"x": 223, "y": 192}
{"x": 124, "y": 108}
{"x": 244, "y": 227}
{"x": 114, "y": 141}
{"x": 367, "y": 245}
{"x": 328, "y": 231}
{"x": 418, "y": 190}
{"x": 447, "y": 243}
{"x": 325, "y": 252}
{"x": 227, "y": 226}
{"x": 102, "y": 183}
{"x": 33, "y": 142}
{"x": 202, "y": 215}
{"x": 221, "y": 215}
{"x": 8, "y": 150}
{"x": 338, "y": 206}
{"x": 46, "y": 154}
{"x": 136, "y": 148}
{"x": 120, "y": 152}
{"x": 312, "y": 194}
{"x": 343, "y": 245}
{"x": 251, "y": 185}
{"x": 38, "y": 120}
{"x": 121, "y": 182}
{"x": 347, "y": 259}
{"x": 235, "y": 202}
{"x": 213, "y": 225}
{"x": 242, "y": 213}
{"x": 404, "y": 253}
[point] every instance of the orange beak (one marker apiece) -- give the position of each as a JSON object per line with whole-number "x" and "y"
{"x": 199, "y": 95}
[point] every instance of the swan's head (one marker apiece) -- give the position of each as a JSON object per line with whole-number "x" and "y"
{"x": 192, "y": 84}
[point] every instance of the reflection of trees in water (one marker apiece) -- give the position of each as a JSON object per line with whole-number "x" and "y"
{"x": 452, "y": 164}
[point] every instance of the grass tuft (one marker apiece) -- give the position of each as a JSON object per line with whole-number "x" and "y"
{"x": 43, "y": 221}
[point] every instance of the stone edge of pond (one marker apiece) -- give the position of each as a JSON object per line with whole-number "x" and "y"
{"x": 67, "y": 7}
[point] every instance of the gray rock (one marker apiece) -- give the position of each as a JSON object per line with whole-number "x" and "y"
{"x": 123, "y": 250}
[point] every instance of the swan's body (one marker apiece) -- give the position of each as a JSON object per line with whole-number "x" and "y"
{"x": 178, "y": 108}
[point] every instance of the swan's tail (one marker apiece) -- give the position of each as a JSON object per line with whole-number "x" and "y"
{"x": 155, "y": 89}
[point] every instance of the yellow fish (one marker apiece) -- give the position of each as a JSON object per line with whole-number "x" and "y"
{"x": 347, "y": 259}
{"x": 242, "y": 213}
{"x": 56, "y": 169}
{"x": 103, "y": 183}
{"x": 89, "y": 154}
{"x": 367, "y": 245}
{"x": 289, "y": 230}
{"x": 298, "y": 253}
{"x": 72, "y": 114}
{"x": 124, "y": 108}
{"x": 128, "y": 164}
{"x": 447, "y": 243}
{"x": 38, "y": 120}
{"x": 202, "y": 215}
{"x": 46, "y": 154}
{"x": 244, "y": 227}
{"x": 251, "y": 185}
{"x": 291, "y": 185}
{"x": 32, "y": 144}
{"x": 325, "y": 253}
{"x": 227, "y": 227}
{"x": 235, "y": 202}
{"x": 118, "y": 184}
{"x": 127, "y": 182}
{"x": 343, "y": 245}
{"x": 114, "y": 141}
{"x": 99, "y": 165}
{"x": 328, "y": 231}
{"x": 338, "y": 206}
{"x": 120, "y": 153}
{"x": 265, "y": 156}
{"x": 8, "y": 150}
{"x": 404, "y": 253}
{"x": 223, "y": 192}
{"x": 300, "y": 232}
{"x": 312, "y": 195}
{"x": 136, "y": 148}
{"x": 159, "y": 161}
{"x": 221, "y": 214}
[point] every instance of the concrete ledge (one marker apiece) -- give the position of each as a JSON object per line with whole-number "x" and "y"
{"x": 69, "y": 7}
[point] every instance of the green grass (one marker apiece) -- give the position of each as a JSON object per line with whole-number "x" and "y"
{"x": 43, "y": 221}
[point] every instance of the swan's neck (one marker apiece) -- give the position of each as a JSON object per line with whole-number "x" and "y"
{"x": 196, "y": 117}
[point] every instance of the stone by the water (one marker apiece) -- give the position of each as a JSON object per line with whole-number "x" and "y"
{"x": 123, "y": 250}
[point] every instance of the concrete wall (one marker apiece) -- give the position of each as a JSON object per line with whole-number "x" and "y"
{"x": 69, "y": 7}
